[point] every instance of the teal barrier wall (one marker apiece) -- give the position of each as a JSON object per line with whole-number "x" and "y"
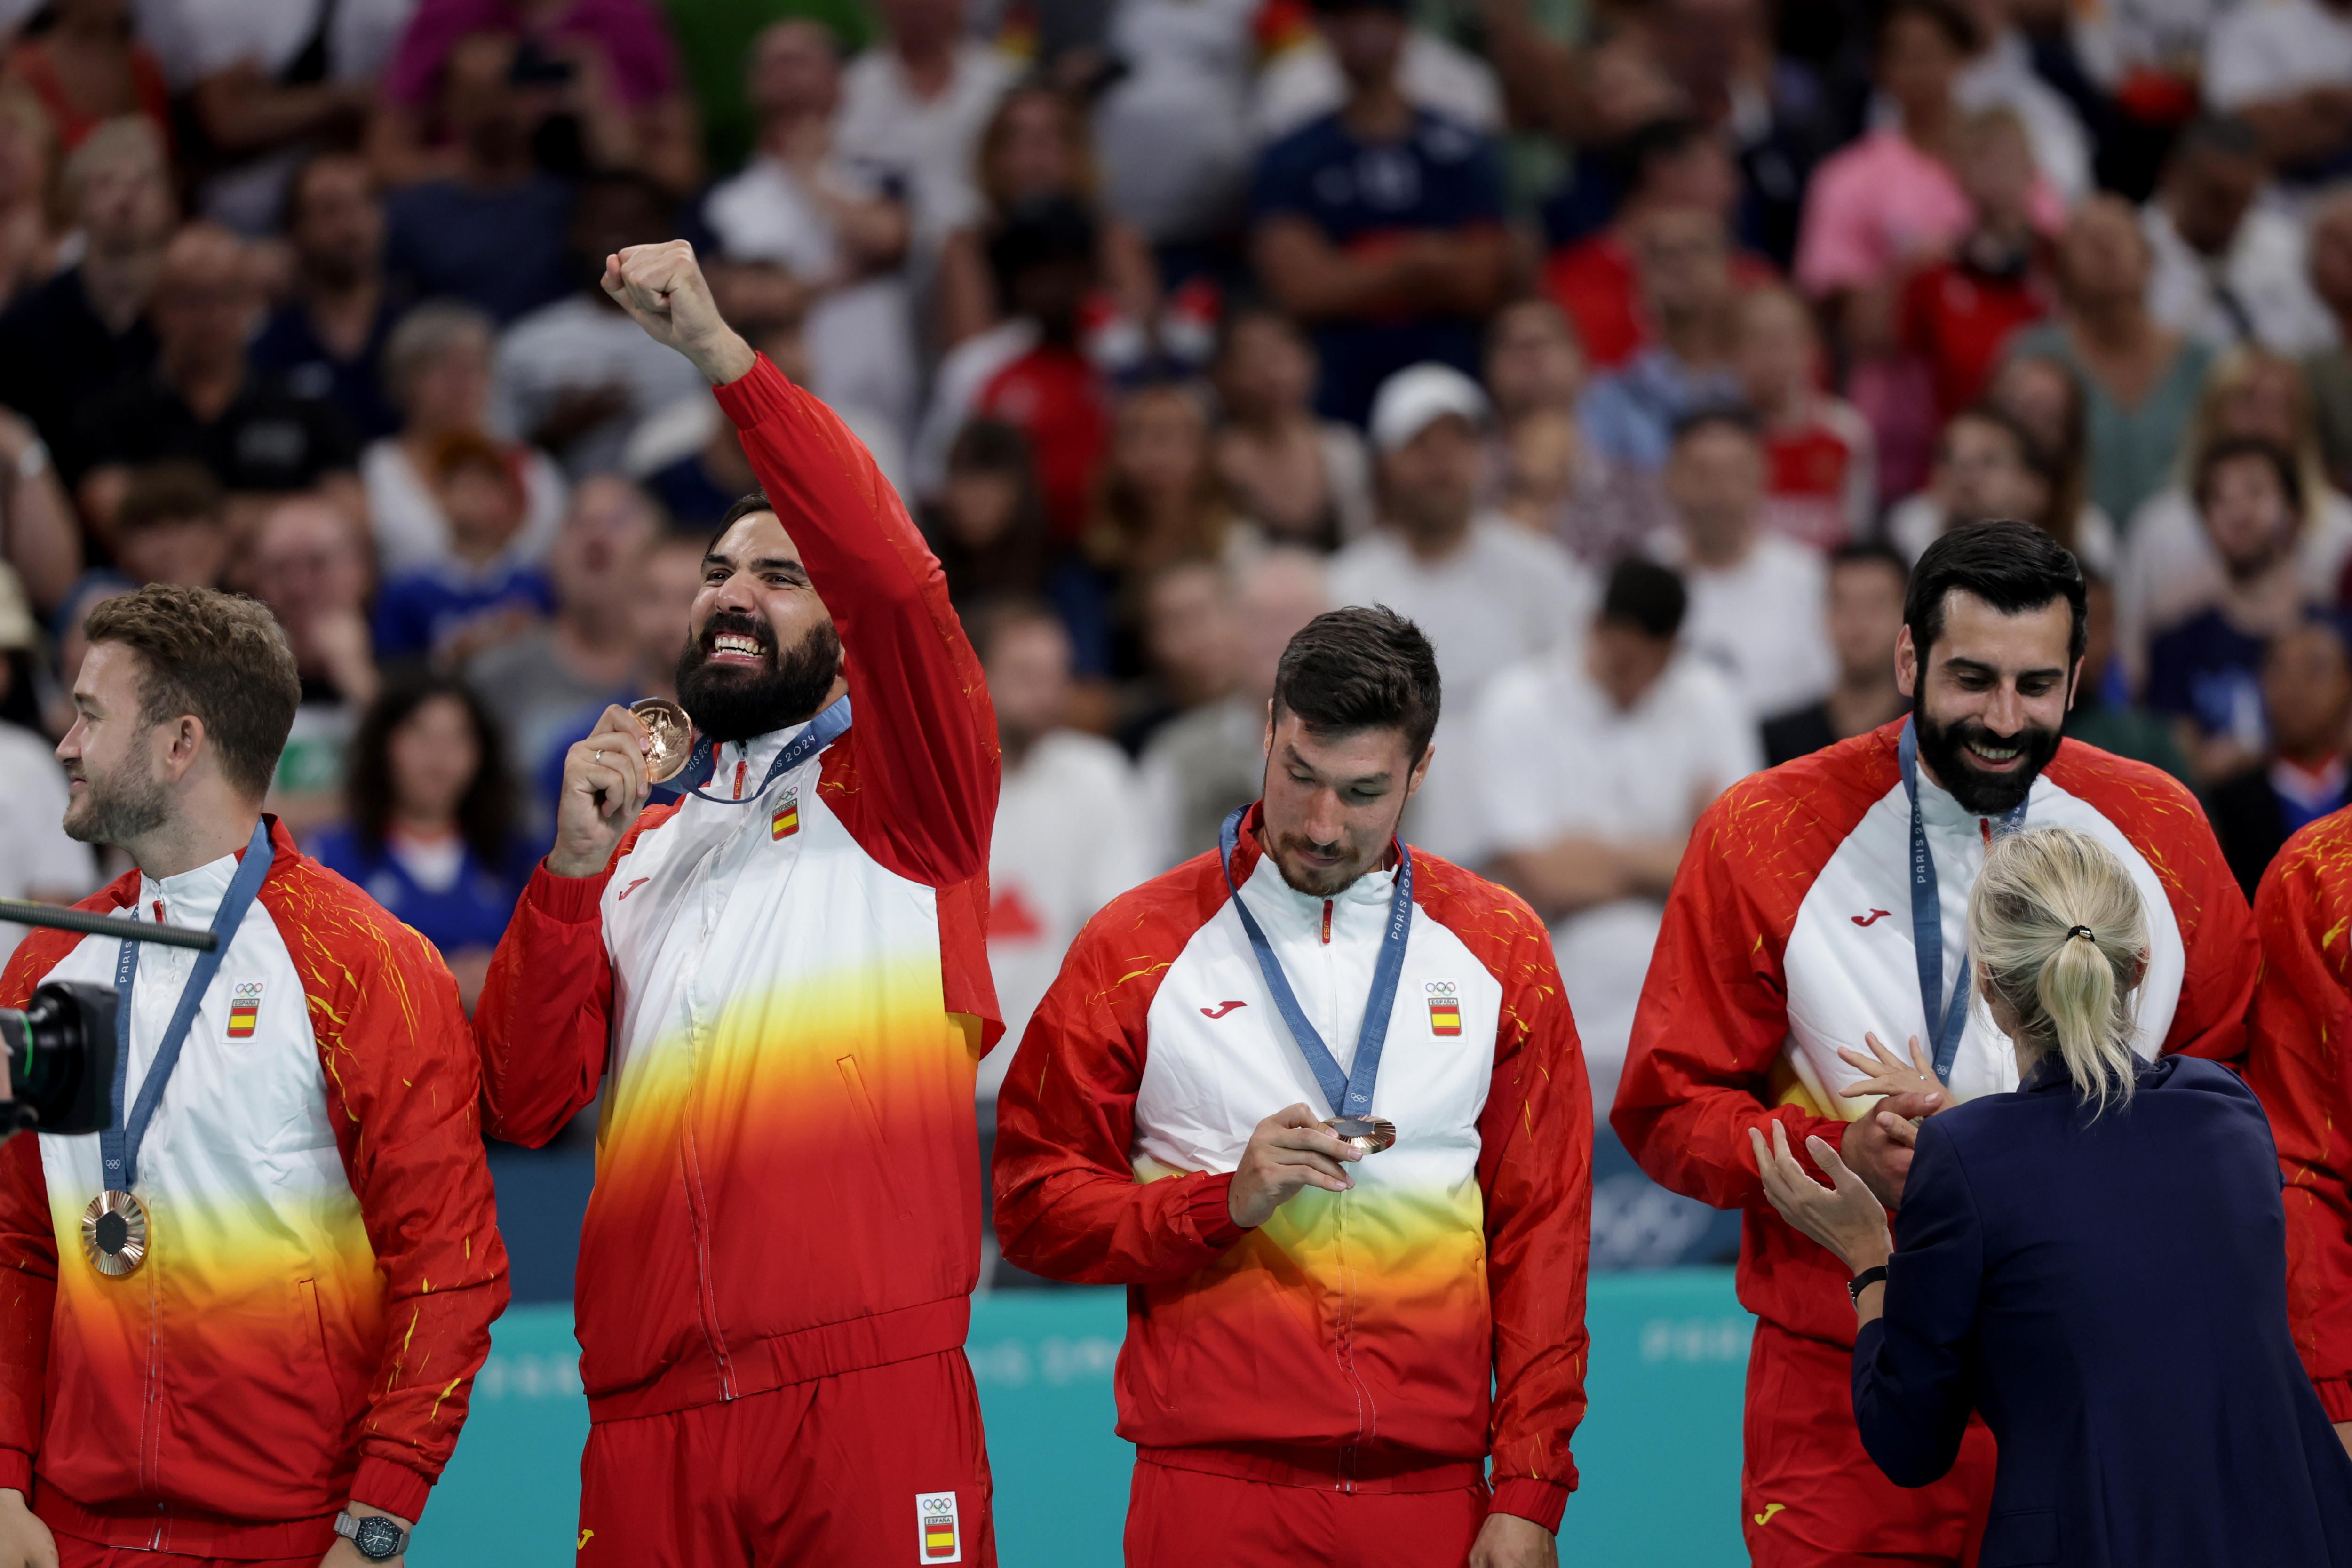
{"x": 1660, "y": 1450}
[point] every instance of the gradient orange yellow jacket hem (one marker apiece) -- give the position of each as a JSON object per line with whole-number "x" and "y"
{"x": 1395, "y": 1337}
{"x": 784, "y": 1001}
{"x": 1788, "y": 933}
{"x": 2299, "y": 1063}
{"x": 327, "y": 1263}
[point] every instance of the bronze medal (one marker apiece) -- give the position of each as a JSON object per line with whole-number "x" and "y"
{"x": 114, "y": 1233}
{"x": 1370, "y": 1133}
{"x": 670, "y": 740}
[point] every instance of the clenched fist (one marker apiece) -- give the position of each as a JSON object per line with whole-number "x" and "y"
{"x": 663, "y": 289}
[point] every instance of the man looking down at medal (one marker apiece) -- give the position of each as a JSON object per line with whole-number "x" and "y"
{"x": 1317, "y": 1099}
{"x": 1819, "y": 911}
{"x": 243, "y": 1322}
{"x": 781, "y": 982}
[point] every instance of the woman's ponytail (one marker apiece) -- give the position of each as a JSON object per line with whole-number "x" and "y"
{"x": 2059, "y": 932}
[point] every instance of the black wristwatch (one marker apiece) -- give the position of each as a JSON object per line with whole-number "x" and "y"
{"x": 1863, "y": 1281}
{"x": 378, "y": 1538}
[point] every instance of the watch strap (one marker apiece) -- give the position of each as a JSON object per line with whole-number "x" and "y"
{"x": 1876, "y": 1274}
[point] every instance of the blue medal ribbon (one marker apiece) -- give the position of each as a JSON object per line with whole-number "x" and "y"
{"x": 1350, "y": 1094}
{"x": 1946, "y": 1020}
{"x": 117, "y": 1146}
{"x": 822, "y": 731}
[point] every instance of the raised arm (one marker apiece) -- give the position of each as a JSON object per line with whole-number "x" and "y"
{"x": 403, "y": 1092}
{"x": 1712, "y": 1019}
{"x": 1068, "y": 1204}
{"x": 1534, "y": 1166}
{"x": 926, "y": 749}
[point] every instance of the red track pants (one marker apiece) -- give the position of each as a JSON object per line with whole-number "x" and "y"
{"x": 876, "y": 1468}
{"x": 1810, "y": 1495}
{"x": 1189, "y": 1519}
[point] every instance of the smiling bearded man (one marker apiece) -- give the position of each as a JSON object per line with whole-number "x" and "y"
{"x": 781, "y": 986}
{"x": 1825, "y": 903}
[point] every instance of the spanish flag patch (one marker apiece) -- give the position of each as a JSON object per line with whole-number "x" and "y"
{"x": 1444, "y": 1008}
{"x": 244, "y": 1009}
{"x": 938, "y": 1537}
{"x": 787, "y": 820}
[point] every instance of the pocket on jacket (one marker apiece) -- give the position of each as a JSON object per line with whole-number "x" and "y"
{"x": 854, "y": 1083}
{"x": 316, "y": 1321}
{"x": 2022, "y": 1538}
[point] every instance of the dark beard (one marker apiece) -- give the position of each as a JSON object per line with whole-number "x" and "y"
{"x": 728, "y": 702}
{"x": 1981, "y": 793}
{"x": 117, "y": 811}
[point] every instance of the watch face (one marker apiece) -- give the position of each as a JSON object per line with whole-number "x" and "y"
{"x": 378, "y": 1540}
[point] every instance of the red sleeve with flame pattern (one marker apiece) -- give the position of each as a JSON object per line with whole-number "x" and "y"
{"x": 2299, "y": 1033}
{"x": 1068, "y": 1204}
{"x": 2167, "y": 825}
{"x": 542, "y": 1025}
{"x": 1534, "y": 1168}
{"x": 925, "y": 737}
{"x": 29, "y": 1238}
{"x": 403, "y": 1095}
{"x": 1714, "y": 1009}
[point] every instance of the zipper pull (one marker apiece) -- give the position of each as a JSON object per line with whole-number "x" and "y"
{"x": 738, "y": 778}
{"x": 1327, "y": 922}
{"x": 1984, "y": 825}
{"x": 159, "y": 913}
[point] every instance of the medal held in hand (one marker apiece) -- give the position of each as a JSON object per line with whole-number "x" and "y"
{"x": 1350, "y": 1093}
{"x": 1370, "y": 1134}
{"x": 116, "y": 1234}
{"x": 669, "y": 740}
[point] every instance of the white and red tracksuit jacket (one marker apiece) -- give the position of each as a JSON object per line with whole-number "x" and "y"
{"x": 1354, "y": 1340}
{"x": 2299, "y": 1061}
{"x": 785, "y": 1000}
{"x": 1788, "y": 935}
{"x": 326, "y": 1261}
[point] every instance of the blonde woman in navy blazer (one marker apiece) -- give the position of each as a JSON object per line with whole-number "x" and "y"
{"x": 2095, "y": 1262}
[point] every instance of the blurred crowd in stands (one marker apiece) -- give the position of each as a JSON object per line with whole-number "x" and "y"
{"x": 1634, "y": 348}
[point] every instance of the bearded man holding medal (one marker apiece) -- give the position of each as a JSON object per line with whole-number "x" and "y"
{"x": 241, "y": 1323}
{"x": 1317, "y": 1101}
{"x": 1820, "y": 912}
{"x": 780, "y": 984}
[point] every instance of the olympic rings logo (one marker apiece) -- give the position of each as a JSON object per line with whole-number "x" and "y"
{"x": 1440, "y": 988}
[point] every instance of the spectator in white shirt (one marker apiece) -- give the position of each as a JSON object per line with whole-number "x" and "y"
{"x": 41, "y": 863}
{"x": 1487, "y": 592}
{"x": 1593, "y": 763}
{"x": 1070, "y": 835}
{"x": 1201, "y": 763}
{"x": 437, "y": 371}
{"x": 802, "y": 205}
{"x": 2287, "y": 68}
{"x": 911, "y": 111}
{"x": 2228, "y": 269}
{"x": 575, "y": 377}
{"x": 1756, "y": 599}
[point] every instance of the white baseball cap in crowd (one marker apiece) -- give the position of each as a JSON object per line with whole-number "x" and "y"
{"x": 1416, "y": 397}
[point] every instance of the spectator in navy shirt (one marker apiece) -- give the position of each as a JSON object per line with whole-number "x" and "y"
{"x": 480, "y": 594}
{"x": 327, "y": 341}
{"x": 2308, "y": 698}
{"x": 428, "y": 835}
{"x": 1380, "y": 226}
{"x": 203, "y": 401}
{"x": 2205, "y": 674}
{"x": 494, "y": 236}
